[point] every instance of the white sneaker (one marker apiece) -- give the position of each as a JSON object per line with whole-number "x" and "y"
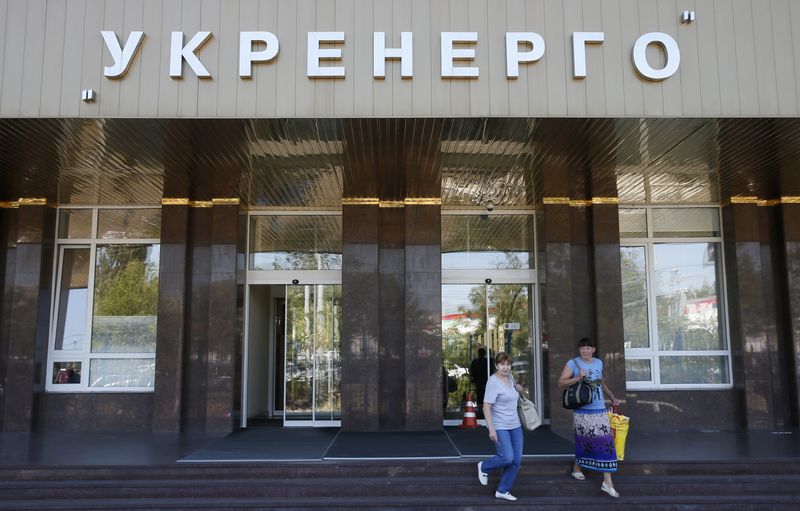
{"x": 483, "y": 477}
{"x": 504, "y": 496}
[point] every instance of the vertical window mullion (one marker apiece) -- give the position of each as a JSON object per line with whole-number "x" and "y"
{"x": 652, "y": 311}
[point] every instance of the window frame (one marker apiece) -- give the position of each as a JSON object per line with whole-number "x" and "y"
{"x": 85, "y": 355}
{"x": 653, "y": 353}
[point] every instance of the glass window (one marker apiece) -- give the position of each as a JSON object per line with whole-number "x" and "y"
{"x": 126, "y": 372}
{"x": 685, "y": 222}
{"x": 129, "y": 224}
{"x": 125, "y": 299}
{"x": 75, "y": 223}
{"x": 633, "y": 223}
{"x": 686, "y": 296}
{"x": 72, "y": 298}
{"x": 106, "y": 299}
{"x": 487, "y": 242}
{"x": 637, "y": 370}
{"x": 634, "y": 297}
{"x": 700, "y": 369}
{"x": 303, "y": 242}
{"x": 672, "y": 301}
{"x": 66, "y": 372}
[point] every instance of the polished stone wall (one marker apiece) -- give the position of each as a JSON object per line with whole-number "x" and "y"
{"x": 172, "y": 305}
{"x": 28, "y": 320}
{"x": 100, "y": 411}
{"x": 360, "y": 324}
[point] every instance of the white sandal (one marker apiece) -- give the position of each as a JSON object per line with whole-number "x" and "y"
{"x": 608, "y": 489}
{"x": 578, "y": 475}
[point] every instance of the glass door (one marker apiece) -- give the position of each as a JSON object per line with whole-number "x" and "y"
{"x": 492, "y": 317}
{"x": 313, "y": 355}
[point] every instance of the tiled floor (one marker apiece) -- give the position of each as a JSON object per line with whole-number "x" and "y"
{"x": 279, "y": 444}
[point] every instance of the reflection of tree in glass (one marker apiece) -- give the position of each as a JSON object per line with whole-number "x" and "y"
{"x": 634, "y": 297}
{"x": 307, "y": 261}
{"x": 125, "y": 284}
{"x": 125, "y": 299}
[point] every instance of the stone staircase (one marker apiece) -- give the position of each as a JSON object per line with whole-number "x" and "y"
{"x": 541, "y": 485}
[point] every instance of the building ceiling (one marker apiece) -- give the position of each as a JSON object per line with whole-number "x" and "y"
{"x": 316, "y": 163}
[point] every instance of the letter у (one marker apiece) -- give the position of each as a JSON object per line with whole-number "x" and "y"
{"x": 123, "y": 57}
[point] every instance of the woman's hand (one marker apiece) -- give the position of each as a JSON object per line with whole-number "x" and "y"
{"x": 583, "y": 373}
{"x": 519, "y": 387}
{"x": 492, "y": 435}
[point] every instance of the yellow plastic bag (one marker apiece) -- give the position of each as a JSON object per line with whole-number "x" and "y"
{"x": 619, "y": 428}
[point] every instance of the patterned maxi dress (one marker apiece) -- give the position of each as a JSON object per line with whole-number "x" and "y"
{"x": 594, "y": 441}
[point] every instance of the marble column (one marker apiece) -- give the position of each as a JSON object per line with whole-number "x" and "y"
{"x": 791, "y": 235}
{"x": 607, "y": 272}
{"x": 423, "y": 317}
{"x": 222, "y": 320}
{"x": 172, "y": 304}
{"x": 28, "y": 308}
{"x": 360, "y": 325}
{"x": 555, "y": 241}
{"x": 195, "y": 354}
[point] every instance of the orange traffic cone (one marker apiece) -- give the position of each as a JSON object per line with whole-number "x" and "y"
{"x": 469, "y": 414}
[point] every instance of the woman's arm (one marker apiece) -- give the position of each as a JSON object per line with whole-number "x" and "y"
{"x": 609, "y": 393}
{"x": 487, "y": 414}
{"x": 566, "y": 379}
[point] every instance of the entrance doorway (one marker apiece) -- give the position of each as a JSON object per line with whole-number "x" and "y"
{"x": 293, "y": 355}
{"x": 490, "y": 317}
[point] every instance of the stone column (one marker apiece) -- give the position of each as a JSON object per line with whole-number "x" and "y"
{"x": 222, "y": 318}
{"x": 555, "y": 241}
{"x": 423, "y": 316}
{"x": 360, "y": 326}
{"x": 391, "y": 281}
{"x": 28, "y": 306}
{"x": 195, "y": 354}
{"x": 607, "y": 272}
{"x": 791, "y": 234}
{"x": 172, "y": 304}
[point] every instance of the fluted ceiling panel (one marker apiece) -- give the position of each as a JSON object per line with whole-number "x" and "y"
{"x": 316, "y": 163}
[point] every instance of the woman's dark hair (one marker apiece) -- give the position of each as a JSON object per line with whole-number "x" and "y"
{"x": 586, "y": 341}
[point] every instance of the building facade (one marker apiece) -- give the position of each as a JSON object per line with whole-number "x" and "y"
{"x": 216, "y": 213}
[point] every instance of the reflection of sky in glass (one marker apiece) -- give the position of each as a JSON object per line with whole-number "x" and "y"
{"x": 684, "y": 266}
{"x": 75, "y": 321}
{"x": 456, "y": 297}
{"x": 495, "y": 242}
{"x": 490, "y": 260}
{"x": 152, "y": 261}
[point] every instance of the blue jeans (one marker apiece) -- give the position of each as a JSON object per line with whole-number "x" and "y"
{"x": 508, "y": 458}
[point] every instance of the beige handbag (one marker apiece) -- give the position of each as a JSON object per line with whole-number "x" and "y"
{"x": 528, "y": 415}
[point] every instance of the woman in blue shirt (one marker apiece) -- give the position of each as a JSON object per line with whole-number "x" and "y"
{"x": 505, "y": 430}
{"x": 594, "y": 441}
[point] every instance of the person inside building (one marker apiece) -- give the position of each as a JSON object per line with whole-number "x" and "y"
{"x": 594, "y": 441}
{"x": 505, "y": 429}
{"x": 479, "y": 374}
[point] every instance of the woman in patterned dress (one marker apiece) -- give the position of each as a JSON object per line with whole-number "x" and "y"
{"x": 594, "y": 441}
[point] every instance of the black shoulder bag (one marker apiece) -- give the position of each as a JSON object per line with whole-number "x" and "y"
{"x": 578, "y": 394}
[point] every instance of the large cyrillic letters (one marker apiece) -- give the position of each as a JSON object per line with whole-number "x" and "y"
{"x": 449, "y": 54}
{"x": 123, "y": 57}
{"x": 178, "y": 53}
{"x": 579, "y": 40}
{"x": 671, "y": 51}
{"x": 246, "y": 54}
{"x": 514, "y": 56}
{"x": 380, "y": 53}
{"x": 315, "y": 54}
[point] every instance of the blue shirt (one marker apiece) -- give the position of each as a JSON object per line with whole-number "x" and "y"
{"x": 503, "y": 399}
{"x": 594, "y": 374}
